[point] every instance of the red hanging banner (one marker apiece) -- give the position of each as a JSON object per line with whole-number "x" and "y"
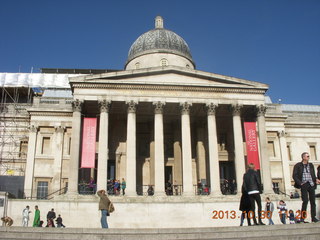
{"x": 252, "y": 144}
{"x": 89, "y": 142}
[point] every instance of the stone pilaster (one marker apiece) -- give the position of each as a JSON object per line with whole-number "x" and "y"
{"x": 285, "y": 162}
{"x": 58, "y": 154}
{"x": 159, "y": 187}
{"x": 131, "y": 150}
{"x": 28, "y": 180}
{"x": 75, "y": 148}
{"x": 103, "y": 145}
{"x": 186, "y": 150}
{"x": 265, "y": 163}
{"x": 213, "y": 150}
{"x": 238, "y": 145}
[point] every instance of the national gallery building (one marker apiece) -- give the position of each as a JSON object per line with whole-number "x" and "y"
{"x": 172, "y": 133}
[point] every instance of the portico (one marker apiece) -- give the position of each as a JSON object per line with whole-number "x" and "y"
{"x": 154, "y": 133}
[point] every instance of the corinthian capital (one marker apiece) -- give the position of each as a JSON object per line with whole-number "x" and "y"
{"x": 104, "y": 106}
{"x": 77, "y": 105}
{"x": 158, "y": 109}
{"x": 33, "y": 128}
{"x": 261, "y": 110}
{"x": 59, "y": 129}
{"x": 236, "y": 109}
{"x": 211, "y": 108}
{"x": 132, "y": 106}
{"x": 281, "y": 133}
{"x": 185, "y": 107}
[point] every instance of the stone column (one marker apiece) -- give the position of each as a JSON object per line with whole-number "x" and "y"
{"x": 177, "y": 156}
{"x": 186, "y": 150}
{"x": 28, "y": 179}
{"x": 238, "y": 145}
{"x": 201, "y": 152}
{"x": 75, "y": 149}
{"x": 285, "y": 162}
{"x": 159, "y": 187}
{"x": 213, "y": 151}
{"x": 58, "y": 152}
{"x": 103, "y": 145}
{"x": 131, "y": 162}
{"x": 265, "y": 164}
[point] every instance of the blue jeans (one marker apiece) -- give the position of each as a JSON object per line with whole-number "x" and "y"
{"x": 269, "y": 216}
{"x": 104, "y": 223}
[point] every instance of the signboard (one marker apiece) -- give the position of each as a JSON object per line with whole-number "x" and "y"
{"x": 89, "y": 143}
{"x": 252, "y": 144}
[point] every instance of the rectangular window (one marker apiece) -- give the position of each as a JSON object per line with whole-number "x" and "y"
{"x": 23, "y": 149}
{"x": 69, "y": 146}
{"x": 289, "y": 153}
{"x": 313, "y": 152}
{"x": 46, "y": 150}
{"x": 271, "y": 151}
{"x": 42, "y": 190}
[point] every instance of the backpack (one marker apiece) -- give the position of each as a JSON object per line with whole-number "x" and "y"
{"x": 111, "y": 208}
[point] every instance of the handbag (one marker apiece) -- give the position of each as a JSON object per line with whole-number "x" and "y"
{"x": 111, "y": 208}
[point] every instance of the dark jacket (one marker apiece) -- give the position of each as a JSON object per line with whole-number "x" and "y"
{"x": 297, "y": 174}
{"x": 251, "y": 181}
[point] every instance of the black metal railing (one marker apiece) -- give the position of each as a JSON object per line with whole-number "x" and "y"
{"x": 87, "y": 189}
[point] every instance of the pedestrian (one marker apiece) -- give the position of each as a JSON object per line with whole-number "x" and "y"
{"x": 245, "y": 207}
{"x": 59, "y": 222}
{"x": 123, "y": 186}
{"x": 25, "y": 216}
{"x": 50, "y": 217}
{"x": 304, "y": 178}
{"x": 291, "y": 217}
{"x": 36, "y": 220}
{"x": 269, "y": 210}
{"x": 103, "y": 207}
{"x": 252, "y": 186}
{"x": 283, "y": 212}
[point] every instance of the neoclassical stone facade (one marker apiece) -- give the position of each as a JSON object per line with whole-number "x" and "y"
{"x": 160, "y": 120}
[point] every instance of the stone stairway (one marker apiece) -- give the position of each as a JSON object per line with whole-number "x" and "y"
{"x": 295, "y": 231}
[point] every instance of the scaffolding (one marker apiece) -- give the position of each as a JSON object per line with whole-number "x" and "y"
{"x": 14, "y": 125}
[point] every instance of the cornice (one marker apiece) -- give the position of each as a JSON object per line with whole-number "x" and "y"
{"x": 155, "y": 87}
{"x": 55, "y": 114}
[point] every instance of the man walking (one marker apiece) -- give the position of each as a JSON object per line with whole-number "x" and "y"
{"x": 25, "y": 216}
{"x": 305, "y": 179}
{"x": 252, "y": 186}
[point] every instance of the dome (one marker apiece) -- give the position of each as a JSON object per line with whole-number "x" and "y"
{"x": 159, "y": 40}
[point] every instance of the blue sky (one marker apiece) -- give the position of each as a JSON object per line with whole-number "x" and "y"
{"x": 276, "y": 42}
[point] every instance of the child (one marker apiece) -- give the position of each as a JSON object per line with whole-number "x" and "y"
{"x": 291, "y": 217}
{"x": 59, "y": 222}
{"x": 282, "y": 211}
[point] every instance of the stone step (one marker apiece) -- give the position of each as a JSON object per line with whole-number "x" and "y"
{"x": 294, "y": 231}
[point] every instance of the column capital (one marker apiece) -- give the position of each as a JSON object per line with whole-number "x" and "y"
{"x": 33, "y": 128}
{"x": 77, "y": 105}
{"x": 59, "y": 129}
{"x": 185, "y": 107}
{"x": 132, "y": 106}
{"x": 104, "y": 106}
{"x": 261, "y": 110}
{"x": 282, "y": 133}
{"x": 211, "y": 108}
{"x": 158, "y": 107}
{"x": 236, "y": 109}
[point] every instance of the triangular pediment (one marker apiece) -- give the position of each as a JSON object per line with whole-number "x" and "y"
{"x": 171, "y": 76}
